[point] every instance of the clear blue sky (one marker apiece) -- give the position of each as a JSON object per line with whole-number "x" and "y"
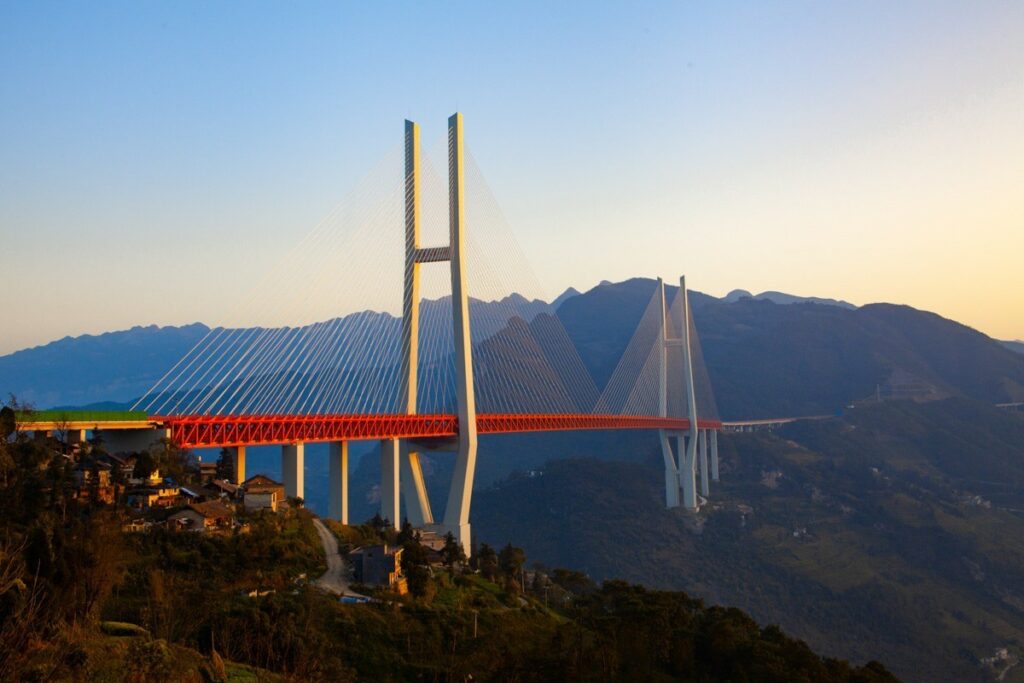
{"x": 872, "y": 151}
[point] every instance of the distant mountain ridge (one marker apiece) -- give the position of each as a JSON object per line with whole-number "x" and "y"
{"x": 1016, "y": 345}
{"x": 783, "y": 298}
{"x": 763, "y": 358}
{"x": 114, "y": 366}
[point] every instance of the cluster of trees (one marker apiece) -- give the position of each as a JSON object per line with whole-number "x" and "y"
{"x": 59, "y": 560}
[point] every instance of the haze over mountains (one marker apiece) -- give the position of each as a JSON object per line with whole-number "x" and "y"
{"x": 769, "y": 355}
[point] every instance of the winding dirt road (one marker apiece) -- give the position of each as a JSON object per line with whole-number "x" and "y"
{"x": 335, "y": 579}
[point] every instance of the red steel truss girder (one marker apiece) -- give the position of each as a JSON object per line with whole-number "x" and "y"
{"x": 202, "y": 431}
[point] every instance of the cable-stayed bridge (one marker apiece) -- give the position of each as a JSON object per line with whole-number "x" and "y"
{"x": 439, "y": 347}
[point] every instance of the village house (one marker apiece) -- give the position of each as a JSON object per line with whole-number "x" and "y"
{"x": 90, "y": 475}
{"x": 207, "y": 471}
{"x": 154, "y": 479}
{"x": 124, "y": 464}
{"x": 379, "y": 565}
{"x": 430, "y": 539}
{"x": 159, "y": 496}
{"x": 220, "y": 488}
{"x": 202, "y": 517}
{"x": 93, "y": 481}
{"x": 262, "y": 493}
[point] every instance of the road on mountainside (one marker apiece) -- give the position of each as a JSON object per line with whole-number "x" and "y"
{"x": 335, "y": 579}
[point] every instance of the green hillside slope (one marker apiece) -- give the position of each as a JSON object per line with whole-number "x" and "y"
{"x": 895, "y": 532}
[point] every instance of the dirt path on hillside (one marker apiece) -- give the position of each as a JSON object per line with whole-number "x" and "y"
{"x": 335, "y": 579}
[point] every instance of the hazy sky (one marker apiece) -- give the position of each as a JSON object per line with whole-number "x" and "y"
{"x": 155, "y": 158}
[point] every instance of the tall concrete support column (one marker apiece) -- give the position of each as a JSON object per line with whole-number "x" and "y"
{"x": 691, "y": 398}
{"x": 714, "y": 455}
{"x": 414, "y": 489}
{"x": 704, "y": 489}
{"x": 456, "y": 516}
{"x": 687, "y": 446}
{"x": 74, "y": 437}
{"x": 671, "y": 470}
{"x": 337, "y": 481}
{"x": 237, "y": 456}
{"x": 389, "y": 501}
{"x": 293, "y": 469}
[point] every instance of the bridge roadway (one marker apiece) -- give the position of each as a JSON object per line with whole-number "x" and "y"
{"x": 211, "y": 431}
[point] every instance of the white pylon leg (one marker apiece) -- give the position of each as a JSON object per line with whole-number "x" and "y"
{"x": 456, "y": 516}
{"x": 688, "y": 470}
{"x": 714, "y": 455}
{"x": 389, "y": 501}
{"x": 688, "y": 473}
{"x": 414, "y": 489}
{"x": 704, "y": 489}
{"x": 671, "y": 470}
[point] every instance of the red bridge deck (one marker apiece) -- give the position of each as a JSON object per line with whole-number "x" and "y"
{"x": 202, "y": 431}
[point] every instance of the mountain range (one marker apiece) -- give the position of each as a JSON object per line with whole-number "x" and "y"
{"x": 763, "y": 358}
{"x": 891, "y": 530}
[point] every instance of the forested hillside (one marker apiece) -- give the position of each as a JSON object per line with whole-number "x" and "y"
{"x": 895, "y": 531}
{"x": 87, "y": 593}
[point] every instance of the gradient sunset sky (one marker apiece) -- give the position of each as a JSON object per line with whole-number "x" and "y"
{"x": 156, "y": 157}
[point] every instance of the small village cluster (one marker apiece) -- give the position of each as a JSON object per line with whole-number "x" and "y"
{"x": 208, "y": 507}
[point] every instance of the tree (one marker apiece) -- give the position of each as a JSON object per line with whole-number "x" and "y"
{"x": 414, "y": 566}
{"x": 406, "y": 534}
{"x": 8, "y": 422}
{"x": 511, "y": 560}
{"x": 487, "y": 561}
{"x": 225, "y": 465}
{"x": 452, "y": 553}
{"x": 573, "y": 581}
{"x": 145, "y": 464}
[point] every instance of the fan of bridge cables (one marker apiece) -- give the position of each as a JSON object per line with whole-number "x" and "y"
{"x": 321, "y": 334}
{"x": 638, "y": 385}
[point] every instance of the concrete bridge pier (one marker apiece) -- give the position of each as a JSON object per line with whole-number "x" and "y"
{"x": 671, "y": 471}
{"x": 389, "y": 479}
{"x": 337, "y": 481}
{"x": 293, "y": 462}
{"x": 688, "y": 471}
{"x": 236, "y": 454}
{"x": 704, "y": 489}
{"x": 714, "y": 455}
{"x": 74, "y": 437}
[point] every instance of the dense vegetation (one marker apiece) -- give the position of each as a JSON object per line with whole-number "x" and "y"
{"x": 82, "y": 600}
